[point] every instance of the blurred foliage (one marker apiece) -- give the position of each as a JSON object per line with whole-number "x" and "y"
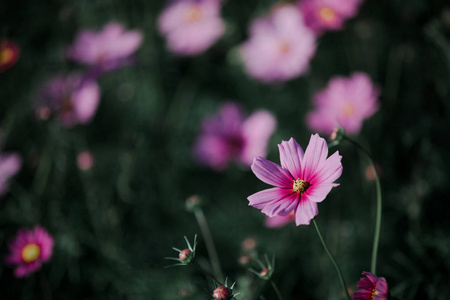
{"x": 114, "y": 224}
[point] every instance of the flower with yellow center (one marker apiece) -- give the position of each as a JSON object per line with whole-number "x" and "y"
{"x": 6, "y": 55}
{"x": 31, "y": 252}
{"x": 300, "y": 186}
{"x": 327, "y": 15}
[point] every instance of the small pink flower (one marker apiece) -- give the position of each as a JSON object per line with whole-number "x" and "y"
{"x": 303, "y": 180}
{"x": 73, "y": 98}
{"x": 371, "y": 288}
{"x": 9, "y": 54}
{"x": 10, "y": 164}
{"x": 191, "y": 26}
{"x": 108, "y": 48}
{"x": 345, "y": 102}
{"x": 28, "y": 250}
{"x": 279, "y": 221}
{"x": 280, "y": 46}
{"x": 85, "y": 160}
{"x": 228, "y": 136}
{"x": 323, "y": 15}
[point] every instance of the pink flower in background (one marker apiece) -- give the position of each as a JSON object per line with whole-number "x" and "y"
{"x": 371, "y": 288}
{"x": 323, "y": 15}
{"x": 280, "y": 46}
{"x": 28, "y": 250}
{"x": 85, "y": 160}
{"x": 9, "y": 54}
{"x": 108, "y": 48}
{"x": 73, "y": 98}
{"x": 303, "y": 180}
{"x": 191, "y": 26}
{"x": 345, "y": 102}
{"x": 229, "y": 136}
{"x": 279, "y": 221}
{"x": 10, "y": 164}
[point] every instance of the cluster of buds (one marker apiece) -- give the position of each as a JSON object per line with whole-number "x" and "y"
{"x": 185, "y": 256}
{"x": 224, "y": 292}
{"x": 267, "y": 269}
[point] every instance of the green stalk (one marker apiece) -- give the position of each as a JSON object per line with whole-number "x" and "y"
{"x": 376, "y": 238}
{"x": 276, "y": 290}
{"x": 341, "y": 278}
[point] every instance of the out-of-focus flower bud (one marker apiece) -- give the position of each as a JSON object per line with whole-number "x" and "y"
{"x": 249, "y": 244}
{"x": 222, "y": 293}
{"x": 193, "y": 203}
{"x": 185, "y": 254}
{"x": 245, "y": 260}
{"x": 85, "y": 160}
{"x": 267, "y": 268}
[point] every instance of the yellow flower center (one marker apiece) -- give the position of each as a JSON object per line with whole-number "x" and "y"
{"x": 31, "y": 252}
{"x": 300, "y": 186}
{"x": 6, "y": 55}
{"x": 375, "y": 292}
{"x": 348, "y": 110}
{"x": 193, "y": 14}
{"x": 327, "y": 15}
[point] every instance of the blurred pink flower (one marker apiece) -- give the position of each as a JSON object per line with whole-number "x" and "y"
{"x": 323, "y": 15}
{"x": 303, "y": 180}
{"x": 279, "y": 221}
{"x": 345, "y": 102}
{"x": 228, "y": 136}
{"x": 73, "y": 98}
{"x": 191, "y": 26}
{"x": 280, "y": 46}
{"x": 9, "y": 54}
{"x": 85, "y": 160}
{"x": 108, "y": 48}
{"x": 28, "y": 250}
{"x": 10, "y": 164}
{"x": 371, "y": 288}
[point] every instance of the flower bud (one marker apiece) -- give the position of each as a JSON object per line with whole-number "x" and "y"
{"x": 337, "y": 134}
{"x": 264, "y": 273}
{"x": 244, "y": 260}
{"x": 222, "y": 293}
{"x": 184, "y": 254}
{"x": 193, "y": 203}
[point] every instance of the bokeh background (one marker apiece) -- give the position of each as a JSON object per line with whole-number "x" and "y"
{"x": 114, "y": 224}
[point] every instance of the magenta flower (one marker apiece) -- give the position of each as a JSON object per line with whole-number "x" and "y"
{"x": 73, "y": 98}
{"x": 107, "y": 49}
{"x": 10, "y": 164}
{"x": 303, "y": 180}
{"x": 371, "y": 288}
{"x": 9, "y": 54}
{"x": 279, "y": 221}
{"x": 191, "y": 26}
{"x": 228, "y": 136}
{"x": 28, "y": 250}
{"x": 345, "y": 102}
{"x": 323, "y": 15}
{"x": 280, "y": 46}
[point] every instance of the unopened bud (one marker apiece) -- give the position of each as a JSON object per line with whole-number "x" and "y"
{"x": 193, "y": 203}
{"x": 244, "y": 260}
{"x": 337, "y": 134}
{"x": 264, "y": 273}
{"x": 222, "y": 293}
{"x": 249, "y": 244}
{"x": 184, "y": 254}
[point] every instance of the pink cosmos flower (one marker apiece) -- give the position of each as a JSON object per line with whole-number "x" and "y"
{"x": 29, "y": 249}
{"x": 108, "y": 49}
{"x": 280, "y": 46}
{"x": 279, "y": 221}
{"x": 9, "y": 54}
{"x": 73, "y": 98}
{"x": 303, "y": 180}
{"x": 345, "y": 102}
{"x": 10, "y": 164}
{"x": 323, "y": 15}
{"x": 371, "y": 288}
{"x": 191, "y": 26}
{"x": 228, "y": 136}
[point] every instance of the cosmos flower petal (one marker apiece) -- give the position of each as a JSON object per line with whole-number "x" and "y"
{"x": 283, "y": 206}
{"x": 371, "y": 288}
{"x": 291, "y": 155}
{"x": 306, "y": 210}
{"x": 265, "y": 197}
{"x": 318, "y": 193}
{"x": 329, "y": 170}
{"x": 278, "y": 221}
{"x": 271, "y": 173}
{"x": 315, "y": 154}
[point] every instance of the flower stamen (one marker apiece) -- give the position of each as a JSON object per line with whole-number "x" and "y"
{"x": 31, "y": 252}
{"x": 300, "y": 186}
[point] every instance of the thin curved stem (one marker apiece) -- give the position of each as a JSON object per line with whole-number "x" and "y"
{"x": 341, "y": 278}
{"x": 376, "y": 238}
{"x": 276, "y": 290}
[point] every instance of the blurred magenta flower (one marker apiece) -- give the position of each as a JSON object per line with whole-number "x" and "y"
{"x": 323, "y": 15}
{"x": 10, "y": 164}
{"x": 279, "y": 221}
{"x": 73, "y": 98}
{"x": 345, "y": 102}
{"x": 303, "y": 180}
{"x": 9, "y": 54}
{"x": 28, "y": 250}
{"x": 107, "y": 49}
{"x": 191, "y": 26}
{"x": 280, "y": 46}
{"x": 371, "y": 288}
{"x": 85, "y": 160}
{"x": 229, "y": 136}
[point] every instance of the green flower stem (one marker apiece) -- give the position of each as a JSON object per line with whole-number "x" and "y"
{"x": 376, "y": 238}
{"x": 212, "y": 253}
{"x": 341, "y": 278}
{"x": 276, "y": 290}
